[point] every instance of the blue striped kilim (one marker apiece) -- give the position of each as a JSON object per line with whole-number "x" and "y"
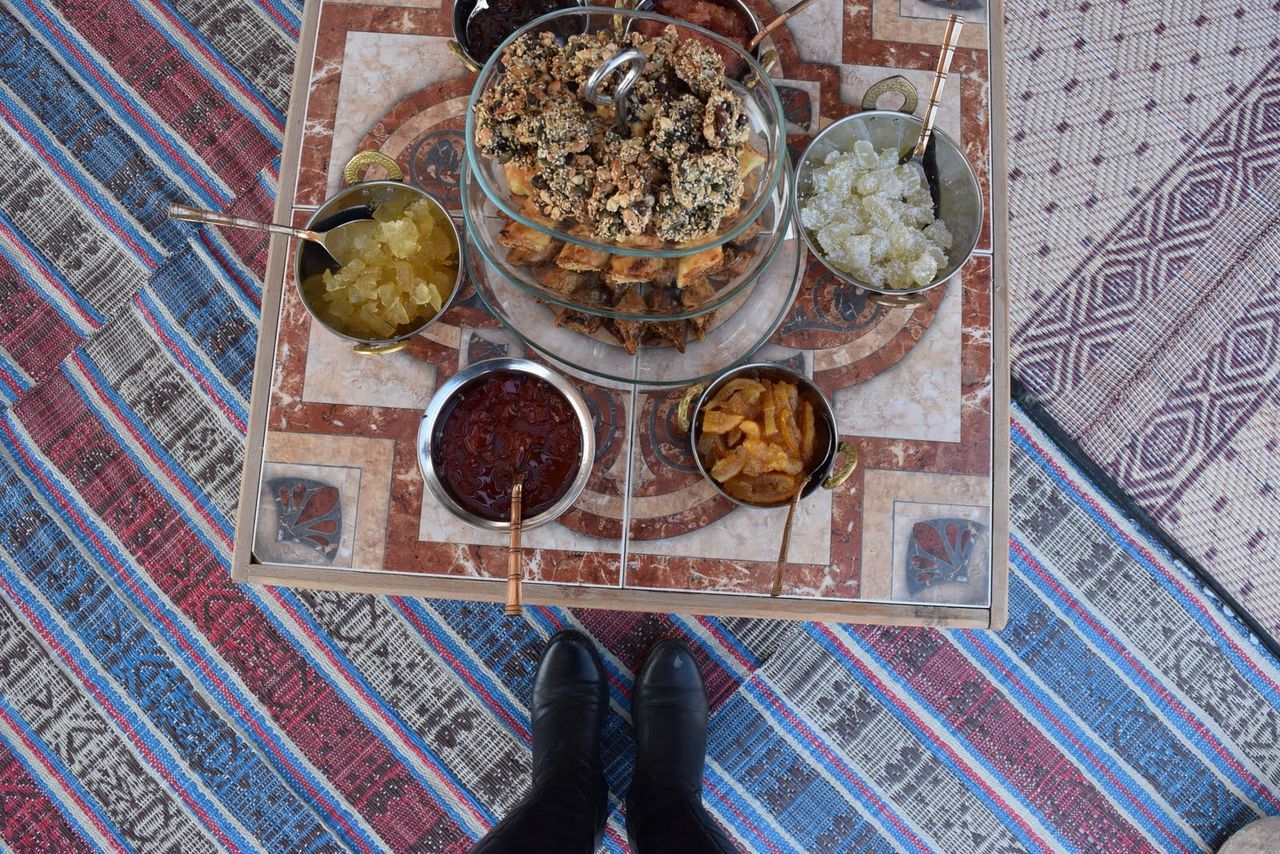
{"x": 149, "y": 704}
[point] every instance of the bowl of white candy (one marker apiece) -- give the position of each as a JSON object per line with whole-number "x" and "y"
{"x": 870, "y": 219}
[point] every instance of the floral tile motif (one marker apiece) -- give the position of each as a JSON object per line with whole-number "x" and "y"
{"x": 940, "y": 550}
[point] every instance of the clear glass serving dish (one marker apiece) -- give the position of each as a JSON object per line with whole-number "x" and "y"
{"x": 506, "y": 185}
{"x": 742, "y": 261}
{"x": 733, "y": 332}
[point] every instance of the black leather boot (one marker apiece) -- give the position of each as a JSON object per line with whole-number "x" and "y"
{"x": 669, "y": 710}
{"x": 566, "y": 808}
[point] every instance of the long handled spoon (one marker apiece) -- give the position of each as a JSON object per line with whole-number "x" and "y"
{"x": 776, "y": 590}
{"x": 515, "y": 571}
{"x": 777, "y": 22}
{"x": 916, "y": 153}
{"x": 339, "y": 241}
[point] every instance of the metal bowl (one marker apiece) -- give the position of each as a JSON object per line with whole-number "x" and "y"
{"x": 358, "y": 201}
{"x": 440, "y": 405}
{"x": 827, "y": 444}
{"x": 766, "y": 53}
{"x": 960, "y": 200}
{"x": 459, "y": 45}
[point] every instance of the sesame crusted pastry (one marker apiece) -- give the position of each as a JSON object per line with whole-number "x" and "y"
{"x": 667, "y": 173}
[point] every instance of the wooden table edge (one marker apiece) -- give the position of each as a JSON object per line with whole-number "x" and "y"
{"x": 1000, "y": 421}
{"x": 583, "y": 596}
{"x": 272, "y": 293}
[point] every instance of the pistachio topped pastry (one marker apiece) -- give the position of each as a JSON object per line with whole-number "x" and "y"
{"x": 673, "y": 173}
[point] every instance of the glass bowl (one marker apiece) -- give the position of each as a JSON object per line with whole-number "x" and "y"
{"x": 959, "y": 199}
{"x": 737, "y": 331}
{"x": 750, "y": 253}
{"x": 762, "y": 108}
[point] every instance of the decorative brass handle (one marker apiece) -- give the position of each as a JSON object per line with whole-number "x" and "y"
{"x": 351, "y": 172}
{"x": 682, "y": 413}
{"x": 850, "y": 452}
{"x": 380, "y": 349}
{"x": 896, "y": 300}
{"x": 896, "y": 83}
{"x": 470, "y": 64}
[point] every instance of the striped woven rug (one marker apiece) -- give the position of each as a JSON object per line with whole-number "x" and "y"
{"x": 148, "y": 704}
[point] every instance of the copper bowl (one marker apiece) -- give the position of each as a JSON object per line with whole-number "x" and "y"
{"x": 821, "y": 473}
{"x": 357, "y": 201}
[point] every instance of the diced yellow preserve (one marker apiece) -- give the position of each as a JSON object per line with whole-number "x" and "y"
{"x": 402, "y": 270}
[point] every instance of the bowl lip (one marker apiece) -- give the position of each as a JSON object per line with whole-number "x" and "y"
{"x": 811, "y": 241}
{"x": 827, "y": 413}
{"x": 793, "y": 290}
{"x": 722, "y": 298}
{"x": 323, "y": 212}
{"x": 776, "y": 134}
{"x": 460, "y": 32}
{"x": 445, "y": 394}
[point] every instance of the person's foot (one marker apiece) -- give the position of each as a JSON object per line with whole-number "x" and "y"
{"x": 570, "y": 700}
{"x": 669, "y": 710}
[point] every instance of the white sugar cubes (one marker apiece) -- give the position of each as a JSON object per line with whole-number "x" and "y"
{"x": 874, "y": 219}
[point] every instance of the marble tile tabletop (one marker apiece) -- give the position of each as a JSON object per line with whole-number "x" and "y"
{"x": 915, "y": 389}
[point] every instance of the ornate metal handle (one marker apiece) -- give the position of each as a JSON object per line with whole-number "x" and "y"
{"x": 954, "y": 24}
{"x": 381, "y": 349}
{"x": 470, "y": 64}
{"x": 850, "y": 452}
{"x": 351, "y": 172}
{"x": 515, "y": 602}
{"x": 896, "y": 300}
{"x": 682, "y": 412}
{"x": 896, "y": 83}
{"x": 632, "y": 61}
{"x": 190, "y": 214}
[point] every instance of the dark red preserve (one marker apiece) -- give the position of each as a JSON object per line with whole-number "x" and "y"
{"x": 498, "y": 424}
{"x": 491, "y": 22}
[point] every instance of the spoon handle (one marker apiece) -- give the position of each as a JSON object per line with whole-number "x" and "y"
{"x": 515, "y": 602}
{"x": 954, "y": 24}
{"x": 776, "y": 589}
{"x": 190, "y": 214}
{"x": 777, "y": 22}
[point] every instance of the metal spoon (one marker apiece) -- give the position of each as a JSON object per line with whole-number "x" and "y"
{"x": 775, "y": 23}
{"x": 340, "y": 241}
{"x": 776, "y": 590}
{"x": 917, "y": 153}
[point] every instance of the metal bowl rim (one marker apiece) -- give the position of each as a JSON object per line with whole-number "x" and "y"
{"x": 810, "y": 241}
{"x": 446, "y": 392}
{"x": 339, "y": 196}
{"x": 827, "y": 414}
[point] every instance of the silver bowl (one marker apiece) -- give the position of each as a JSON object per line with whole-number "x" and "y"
{"x": 440, "y": 405}
{"x": 358, "y": 201}
{"x": 822, "y": 472}
{"x": 960, "y": 199}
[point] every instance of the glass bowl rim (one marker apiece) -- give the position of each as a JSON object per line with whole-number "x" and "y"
{"x": 776, "y": 135}
{"x": 786, "y": 202}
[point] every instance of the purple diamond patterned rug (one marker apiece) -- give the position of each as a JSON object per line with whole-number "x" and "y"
{"x": 1145, "y": 235}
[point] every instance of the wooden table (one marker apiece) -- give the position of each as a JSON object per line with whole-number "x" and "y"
{"x": 332, "y": 496}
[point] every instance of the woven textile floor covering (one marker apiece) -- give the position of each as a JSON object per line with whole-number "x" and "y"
{"x": 1145, "y": 244}
{"x": 147, "y": 703}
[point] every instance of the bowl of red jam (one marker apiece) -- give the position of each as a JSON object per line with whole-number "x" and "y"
{"x": 501, "y": 419}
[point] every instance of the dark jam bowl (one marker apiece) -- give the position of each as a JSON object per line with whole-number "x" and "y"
{"x": 436, "y": 419}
